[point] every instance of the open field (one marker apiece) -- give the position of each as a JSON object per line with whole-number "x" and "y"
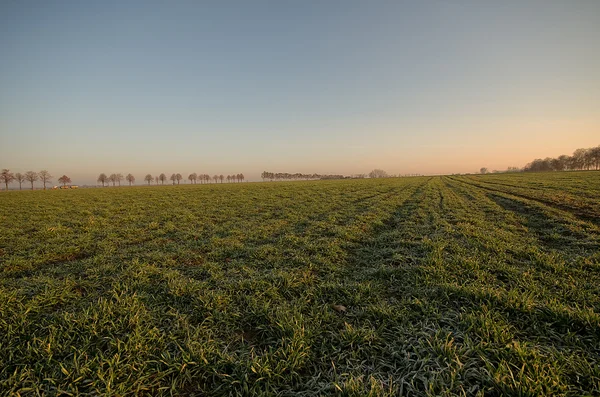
{"x": 465, "y": 285}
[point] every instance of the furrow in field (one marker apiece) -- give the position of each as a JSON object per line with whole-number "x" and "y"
{"x": 555, "y": 229}
{"x": 587, "y": 212}
{"x": 566, "y": 190}
{"x": 512, "y": 257}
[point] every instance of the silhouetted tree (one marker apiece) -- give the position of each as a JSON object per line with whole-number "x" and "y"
{"x": 157, "y": 179}
{"x": 539, "y": 165}
{"x": 102, "y": 178}
{"x": 119, "y": 178}
{"x": 130, "y": 178}
{"x": 31, "y": 177}
{"x": 578, "y": 159}
{"x": 173, "y": 178}
{"x": 221, "y": 177}
{"x": 64, "y": 180}
{"x": 178, "y": 178}
{"x": 557, "y": 165}
{"x": 19, "y": 178}
{"x": 45, "y": 177}
{"x": 6, "y": 177}
{"x": 162, "y": 178}
{"x": 377, "y": 173}
{"x": 193, "y": 177}
{"x": 594, "y": 155}
{"x": 588, "y": 159}
{"x": 483, "y": 170}
{"x": 148, "y": 178}
{"x": 564, "y": 162}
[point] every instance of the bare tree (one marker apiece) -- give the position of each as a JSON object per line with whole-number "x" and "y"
{"x": 595, "y": 156}
{"x": 221, "y": 177}
{"x": 557, "y": 164}
{"x": 578, "y": 159}
{"x": 113, "y": 179}
{"x": 563, "y": 162}
{"x": 228, "y": 178}
{"x": 6, "y": 177}
{"x": 102, "y": 178}
{"x": 377, "y": 173}
{"x": 162, "y": 178}
{"x": 216, "y": 178}
{"x": 64, "y": 180}
{"x": 242, "y": 177}
{"x": 173, "y": 178}
{"x": 31, "y": 177}
{"x": 130, "y": 178}
{"x": 588, "y": 159}
{"x": 178, "y": 178}
{"x": 45, "y": 177}
{"x": 206, "y": 178}
{"x": 119, "y": 178}
{"x": 157, "y": 179}
{"x": 193, "y": 177}
{"x": 148, "y": 178}
{"x": 20, "y": 178}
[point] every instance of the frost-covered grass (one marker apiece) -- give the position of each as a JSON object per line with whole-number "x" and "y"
{"x": 484, "y": 285}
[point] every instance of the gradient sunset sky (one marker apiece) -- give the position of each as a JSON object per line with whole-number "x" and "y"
{"x": 295, "y": 86}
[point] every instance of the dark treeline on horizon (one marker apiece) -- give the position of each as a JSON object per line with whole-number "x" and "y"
{"x": 582, "y": 159}
{"x": 376, "y": 173}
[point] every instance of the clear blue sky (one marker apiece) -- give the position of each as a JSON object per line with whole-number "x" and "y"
{"x": 305, "y": 86}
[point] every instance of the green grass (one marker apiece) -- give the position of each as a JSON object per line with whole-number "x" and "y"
{"x": 475, "y": 285}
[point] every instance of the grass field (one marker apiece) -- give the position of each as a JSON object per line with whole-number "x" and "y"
{"x": 466, "y": 285}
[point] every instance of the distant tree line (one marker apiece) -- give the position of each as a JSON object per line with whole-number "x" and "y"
{"x": 279, "y": 176}
{"x": 582, "y": 159}
{"x": 43, "y": 176}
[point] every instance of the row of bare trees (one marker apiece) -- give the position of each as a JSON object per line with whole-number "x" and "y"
{"x": 115, "y": 179}
{"x": 205, "y": 178}
{"x": 582, "y": 159}
{"x": 43, "y": 176}
{"x": 194, "y": 178}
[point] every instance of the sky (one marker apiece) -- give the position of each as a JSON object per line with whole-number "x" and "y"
{"x": 430, "y": 87}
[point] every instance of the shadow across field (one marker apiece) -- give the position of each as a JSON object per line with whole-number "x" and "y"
{"x": 552, "y": 233}
{"x": 439, "y": 329}
{"x": 584, "y": 212}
